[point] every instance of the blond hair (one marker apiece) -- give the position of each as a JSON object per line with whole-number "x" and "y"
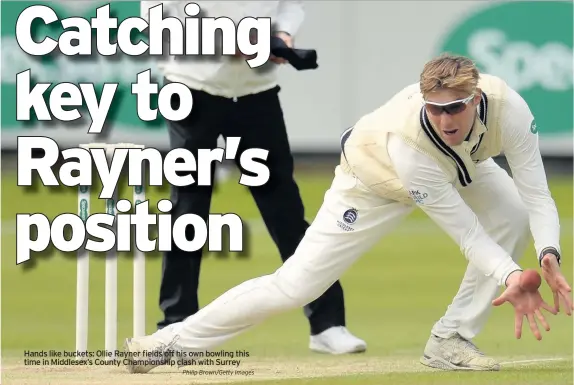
{"x": 448, "y": 71}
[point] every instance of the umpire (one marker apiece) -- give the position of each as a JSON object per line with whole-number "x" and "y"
{"x": 230, "y": 99}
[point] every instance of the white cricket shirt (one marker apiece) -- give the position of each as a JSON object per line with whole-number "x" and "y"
{"x": 447, "y": 208}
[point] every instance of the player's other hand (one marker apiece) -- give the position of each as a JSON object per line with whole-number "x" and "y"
{"x": 526, "y": 304}
{"x": 558, "y": 284}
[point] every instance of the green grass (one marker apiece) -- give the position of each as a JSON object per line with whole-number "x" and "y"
{"x": 393, "y": 295}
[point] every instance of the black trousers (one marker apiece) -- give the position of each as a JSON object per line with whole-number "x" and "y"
{"x": 258, "y": 120}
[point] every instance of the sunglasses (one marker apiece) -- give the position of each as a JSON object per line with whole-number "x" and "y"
{"x": 451, "y": 108}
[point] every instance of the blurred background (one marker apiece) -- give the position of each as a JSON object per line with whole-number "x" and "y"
{"x": 368, "y": 50}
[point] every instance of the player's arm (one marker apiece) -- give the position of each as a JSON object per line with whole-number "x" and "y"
{"x": 520, "y": 146}
{"x": 290, "y": 17}
{"x": 440, "y": 200}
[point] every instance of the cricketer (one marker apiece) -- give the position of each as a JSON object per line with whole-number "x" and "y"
{"x": 430, "y": 146}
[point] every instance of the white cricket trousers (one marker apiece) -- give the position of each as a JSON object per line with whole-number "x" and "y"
{"x": 331, "y": 245}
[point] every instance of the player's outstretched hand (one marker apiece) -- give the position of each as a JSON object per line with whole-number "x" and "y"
{"x": 527, "y": 304}
{"x": 557, "y": 283}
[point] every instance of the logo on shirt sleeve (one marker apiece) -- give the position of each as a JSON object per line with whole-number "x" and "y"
{"x": 533, "y": 127}
{"x": 418, "y": 196}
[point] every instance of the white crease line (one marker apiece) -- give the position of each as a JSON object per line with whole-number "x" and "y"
{"x": 535, "y": 361}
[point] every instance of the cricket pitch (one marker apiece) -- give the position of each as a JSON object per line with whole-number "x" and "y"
{"x": 15, "y": 373}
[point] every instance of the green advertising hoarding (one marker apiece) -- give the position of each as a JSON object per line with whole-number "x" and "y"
{"x": 123, "y": 124}
{"x": 528, "y": 44}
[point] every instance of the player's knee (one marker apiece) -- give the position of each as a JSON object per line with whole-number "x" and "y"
{"x": 519, "y": 221}
{"x": 297, "y": 291}
{"x": 518, "y": 232}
